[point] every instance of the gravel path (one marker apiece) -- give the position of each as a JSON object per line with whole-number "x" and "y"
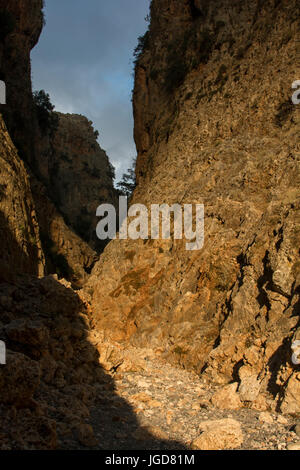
{"x": 162, "y": 407}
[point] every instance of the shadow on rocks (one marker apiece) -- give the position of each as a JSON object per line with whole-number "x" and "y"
{"x": 54, "y": 394}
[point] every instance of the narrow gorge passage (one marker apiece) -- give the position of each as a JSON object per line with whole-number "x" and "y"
{"x": 136, "y": 342}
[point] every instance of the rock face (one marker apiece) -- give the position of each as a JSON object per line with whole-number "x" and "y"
{"x": 51, "y": 372}
{"x": 23, "y": 20}
{"x": 77, "y": 174}
{"x": 206, "y": 132}
{"x": 20, "y": 250}
{"x": 43, "y": 322}
{"x": 65, "y": 252}
{"x": 214, "y": 124}
{"x": 219, "y": 435}
{"x": 69, "y": 174}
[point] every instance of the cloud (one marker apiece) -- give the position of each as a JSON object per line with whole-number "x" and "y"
{"x": 84, "y": 61}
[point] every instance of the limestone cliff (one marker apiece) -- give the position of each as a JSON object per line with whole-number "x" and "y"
{"x": 214, "y": 124}
{"x": 51, "y": 372}
{"x": 43, "y": 322}
{"x": 22, "y": 22}
{"x": 69, "y": 173}
{"x": 77, "y": 174}
{"x": 20, "y": 250}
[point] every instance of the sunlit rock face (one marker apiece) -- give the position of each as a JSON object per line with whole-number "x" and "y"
{"x": 214, "y": 124}
{"x": 48, "y": 362}
{"x": 22, "y": 22}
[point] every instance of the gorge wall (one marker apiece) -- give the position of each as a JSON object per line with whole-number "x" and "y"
{"x": 70, "y": 175}
{"x": 51, "y": 374}
{"x": 77, "y": 174}
{"x": 21, "y": 26}
{"x": 214, "y": 124}
{"x": 21, "y": 250}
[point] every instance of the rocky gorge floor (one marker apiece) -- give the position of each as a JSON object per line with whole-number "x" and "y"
{"x": 171, "y": 409}
{"x": 75, "y": 391}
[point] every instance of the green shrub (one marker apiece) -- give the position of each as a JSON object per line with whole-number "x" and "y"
{"x": 143, "y": 43}
{"x": 111, "y": 171}
{"x": 47, "y": 119}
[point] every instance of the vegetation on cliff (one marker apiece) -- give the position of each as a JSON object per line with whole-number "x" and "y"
{"x": 127, "y": 184}
{"x": 207, "y": 132}
{"x": 47, "y": 119}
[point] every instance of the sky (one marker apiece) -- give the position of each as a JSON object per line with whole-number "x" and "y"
{"x": 84, "y": 61}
